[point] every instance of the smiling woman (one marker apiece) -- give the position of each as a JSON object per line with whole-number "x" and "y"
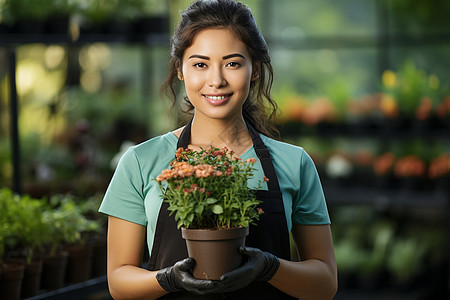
{"x": 222, "y": 59}
{"x": 217, "y": 71}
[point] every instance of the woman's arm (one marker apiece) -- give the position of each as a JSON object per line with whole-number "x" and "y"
{"x": 126, "y": 278}
{"x": 315, "y": 276}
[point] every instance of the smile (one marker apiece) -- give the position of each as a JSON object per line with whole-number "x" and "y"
{"x": 217, "y": 100}
{"x": 215, "y": 97}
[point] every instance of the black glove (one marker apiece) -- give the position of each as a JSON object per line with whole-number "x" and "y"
{"x": 179, "y": 277}
{"x": 260, "y": 266}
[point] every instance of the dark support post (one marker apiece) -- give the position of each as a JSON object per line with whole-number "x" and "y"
{"x": 383, "y": 38}
{"x": 14, "y": 113}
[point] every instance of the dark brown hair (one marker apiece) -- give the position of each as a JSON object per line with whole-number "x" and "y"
{"x": 259, "y": 109}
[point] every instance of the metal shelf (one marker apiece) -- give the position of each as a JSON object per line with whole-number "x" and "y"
{"x": 96, "y": 288}
{"x": 384, "y": 198}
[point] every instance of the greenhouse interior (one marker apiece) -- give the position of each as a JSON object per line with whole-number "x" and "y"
{"x": 362, "y": 86}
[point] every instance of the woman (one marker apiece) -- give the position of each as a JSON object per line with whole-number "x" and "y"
{"x": 222, "y": 59}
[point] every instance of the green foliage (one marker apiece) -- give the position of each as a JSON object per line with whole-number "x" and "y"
{"x": 208, "y": 189}
{"x": 15, "y": 10}
{"x": 410, "y": 85}
{"x": 406, "y": 258}
{"x": 67, "y": 222}
{"x": 101, "y": 10}
{"x": 29, "y": 225}
{"x": 22, "y": 225}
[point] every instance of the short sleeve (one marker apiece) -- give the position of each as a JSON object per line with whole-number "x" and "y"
{"x": 124, "y": 197}
{"x": 310, "y": 207}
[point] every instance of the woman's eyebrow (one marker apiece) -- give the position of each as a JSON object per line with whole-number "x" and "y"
{"x": 223, "y": 57}
{"x": 233, "y": 55}
{"x": 198, "y": 56}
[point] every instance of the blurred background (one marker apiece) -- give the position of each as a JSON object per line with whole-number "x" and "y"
{"x": 363, "y": 86}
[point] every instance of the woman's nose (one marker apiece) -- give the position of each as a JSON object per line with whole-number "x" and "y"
{"x": 216, "y": 78}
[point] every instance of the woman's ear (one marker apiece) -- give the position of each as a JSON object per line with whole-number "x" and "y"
{"x": 180, "y": 75}
{"x": 256, "y": 70}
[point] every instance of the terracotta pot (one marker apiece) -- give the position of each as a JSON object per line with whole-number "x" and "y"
{"x": 54, "y": 271}
{"x": 79, "y": 263}
{"x": 216, "y": 252}
{"x": 32, "y": 278}
{"x": 11, "y": 281}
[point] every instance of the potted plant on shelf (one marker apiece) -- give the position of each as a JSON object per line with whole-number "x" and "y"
{"x": 11, "y": 274}
{"x": 74, "y": 230}
{"x": 383, "y": 167}
{"x": 439, "y": 172}
{"x": 207, "y": 192}
{"x": 406, "y": 261}
{"x": 26, "y": 215}
{"x": 410, "y": 170}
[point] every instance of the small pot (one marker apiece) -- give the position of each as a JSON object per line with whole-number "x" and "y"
{"x": 216, "y": 252}
{"x": 54, "y": 270}
{"x": 11, "y": 281}
{"x": 79, "y": 263}
{"x": 32, "y": 278}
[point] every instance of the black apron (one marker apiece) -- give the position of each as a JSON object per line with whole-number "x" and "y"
{"x": 271, "y": 234}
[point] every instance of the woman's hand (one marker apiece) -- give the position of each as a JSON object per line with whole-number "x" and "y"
{"x": 179, "y": 277}
{"x": 258, "y": 266}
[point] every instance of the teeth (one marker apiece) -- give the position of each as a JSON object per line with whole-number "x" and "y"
{"x": 215, "y": 97}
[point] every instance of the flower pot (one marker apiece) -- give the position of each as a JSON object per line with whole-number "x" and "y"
{"x": 79, "y": 263}
{"x": 11, "y": 281}
{"x": 54, "y": 270}
{"x": 32, "y": 278}
{"x": 216, "y": 252}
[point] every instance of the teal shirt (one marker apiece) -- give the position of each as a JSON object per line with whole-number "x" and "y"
{"x": 134, "y": 195}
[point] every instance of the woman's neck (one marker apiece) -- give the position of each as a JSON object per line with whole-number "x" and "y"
{"x": 232, "y": 133}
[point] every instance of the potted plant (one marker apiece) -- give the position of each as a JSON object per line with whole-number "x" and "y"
{"x": 73, "y": 228}
{"x": 406, "y": 261}
{"x": 443, "y": 112}
{"x": 30, "y": 235}
{"x": 373, "y": 271}
{"x": 96, "y": 235}
{"x": 383, "y": 166}
{"x": 349, "y": 257}
{"x": 207, "y": 192}
{"x": 11, "y": 273}
{"x": 439, "y": 171}
{"x": 410, "y": 169}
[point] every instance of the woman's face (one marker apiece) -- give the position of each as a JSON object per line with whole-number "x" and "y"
{"x": 217, "y": 71}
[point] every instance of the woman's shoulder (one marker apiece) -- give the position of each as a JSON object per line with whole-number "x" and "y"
{"x": 283, "y": 148}
{"x": 156, "y": 146}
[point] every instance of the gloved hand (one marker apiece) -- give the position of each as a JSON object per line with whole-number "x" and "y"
{"x": 179, "y": 277}
{"x": 260, "y": 266}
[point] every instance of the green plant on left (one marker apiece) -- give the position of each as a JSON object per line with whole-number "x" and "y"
{"x": 22, "y": 230}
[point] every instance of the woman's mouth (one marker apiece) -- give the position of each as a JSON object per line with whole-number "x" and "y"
{"x": 217, "y": 99}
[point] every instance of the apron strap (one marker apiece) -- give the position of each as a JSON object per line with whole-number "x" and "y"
{"x": 183, "y": 140}
{"x": 263, "y": 154}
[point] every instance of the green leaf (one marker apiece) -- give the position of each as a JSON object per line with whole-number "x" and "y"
{"x": 190, "y": 217}
{"x": 199, "y": 209}
{"x": 217, "y": 209}
{"x": 211, "y": 201}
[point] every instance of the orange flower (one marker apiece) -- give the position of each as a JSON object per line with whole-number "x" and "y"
{"x": 384, "y": 163}
{"x": 440, "y": 166}
{"x": 409, "y": 166}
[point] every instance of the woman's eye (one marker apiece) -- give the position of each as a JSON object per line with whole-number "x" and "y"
{"x": 233, "y": 64}
{"x": 199, "y": 65}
